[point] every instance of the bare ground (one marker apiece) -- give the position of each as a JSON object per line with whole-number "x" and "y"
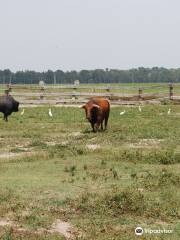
{"x": 61, "y": 227}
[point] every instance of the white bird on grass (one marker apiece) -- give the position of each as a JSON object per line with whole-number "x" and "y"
{"x": 22, "y": 112}
{"x": 121, "y": 113}
{"x": 140, "y": 110}
{"x": 50, "y": 113}
{"x": 169, "y": 111}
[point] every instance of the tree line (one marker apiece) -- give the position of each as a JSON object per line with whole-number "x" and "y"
{"x": 136, "y": 75}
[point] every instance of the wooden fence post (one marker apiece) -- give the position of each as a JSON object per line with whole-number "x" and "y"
{"x": 42, "y": 93}
{"x": 140, "y": 91}
{"x": 6, "y": 92}
{"x": 9, "y": 87}
{"x": 170, "y": 91}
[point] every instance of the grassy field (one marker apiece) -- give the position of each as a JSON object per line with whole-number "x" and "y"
{"x": 105, "y": 184}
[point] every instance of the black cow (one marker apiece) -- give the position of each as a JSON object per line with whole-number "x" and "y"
{"x": 8, "y": 105}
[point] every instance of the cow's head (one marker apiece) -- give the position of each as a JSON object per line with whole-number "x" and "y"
{"x": 91, "y": 111}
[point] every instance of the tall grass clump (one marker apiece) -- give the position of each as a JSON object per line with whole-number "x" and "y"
{"x": 143, "y": 156}
{"x": 110, "y": 203}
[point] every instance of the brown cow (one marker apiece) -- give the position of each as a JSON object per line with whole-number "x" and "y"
{"x": 97, "y": 111}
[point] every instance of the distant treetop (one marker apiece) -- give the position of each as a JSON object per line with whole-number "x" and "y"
{"x": 135, "y": 75}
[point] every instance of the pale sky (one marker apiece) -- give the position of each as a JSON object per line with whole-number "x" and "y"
{"x": 89, "y": 34}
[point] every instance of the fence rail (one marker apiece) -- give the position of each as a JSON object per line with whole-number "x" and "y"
{"x": 88, "y": 86}
{"x": 70, "y": 93}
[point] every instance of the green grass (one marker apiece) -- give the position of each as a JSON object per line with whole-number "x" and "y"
{"x": 130, "y": 179}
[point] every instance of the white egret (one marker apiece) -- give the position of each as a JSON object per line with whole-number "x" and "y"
{"x": 50, "y": 113}
{"x": 121, "y": 113}
{"x": 22, "y": 113}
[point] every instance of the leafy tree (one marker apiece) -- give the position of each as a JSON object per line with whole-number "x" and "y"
{"x": 140, "y": 74}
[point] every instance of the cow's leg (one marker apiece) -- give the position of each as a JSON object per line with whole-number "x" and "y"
{"x": 92, "y": 125}
{"x": 106, "y": 120}
{"x": 102, "y": 125}
{"x": 5, "y": 117}
{"x": 98, "y": 123}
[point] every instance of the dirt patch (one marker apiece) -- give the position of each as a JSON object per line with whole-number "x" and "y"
{"x": 4, "y": 222}
{"x": 13, "y": 155}
{"x": 63, "y": 143}
{"x": 147, "y": 143}
{"x": 63, "y": 228}
{"x": 50, "y": 143}
{"x": 93, "y": 146}
{"x": 134, "y": 97}
{"x": 76, "y": 134}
